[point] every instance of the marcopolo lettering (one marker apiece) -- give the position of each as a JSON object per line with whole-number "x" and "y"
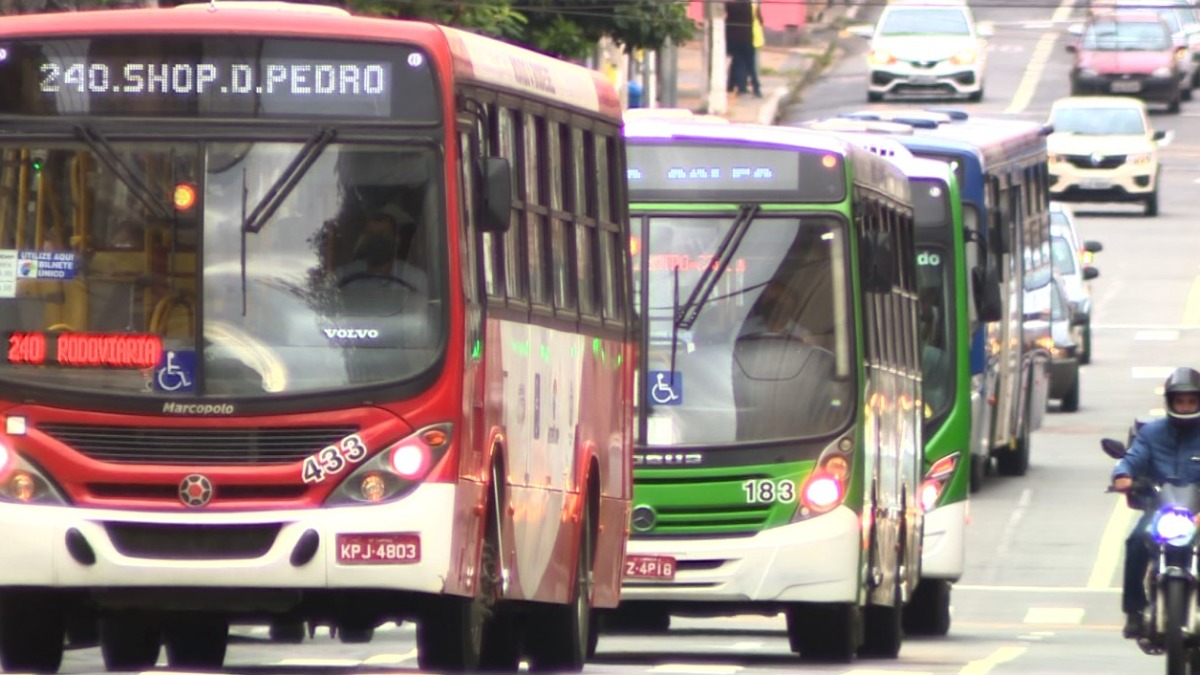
{"x": 173, "y": 408}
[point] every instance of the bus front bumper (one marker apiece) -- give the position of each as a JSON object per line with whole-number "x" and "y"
{"x": 48, "y": 546}
{"x": 816, "y": 560}
{"x": 942, "y": 549}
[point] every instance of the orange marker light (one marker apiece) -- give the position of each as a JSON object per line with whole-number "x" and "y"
{"x": 184, "y": 197}
{"x": 829, "y": 161}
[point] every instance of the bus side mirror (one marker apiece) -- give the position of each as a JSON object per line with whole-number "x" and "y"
{"x": 878, "y": 262}
{"x": 497, "y": 195}
{"x": 985, "y": 285}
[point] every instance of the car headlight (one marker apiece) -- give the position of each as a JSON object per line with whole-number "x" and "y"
{"x": 881, "y": 57}
{"x": 1165, "y": 71}
{"x": 1140, "y": 158}
{"x": 24, "y": 483}
{"x": 1088, "y": 72}
{"x": 1173, "y": 525}
{"x": 965, "y": 57}
{"x": 1053, "y": 158}
{"x": 397, "y": 470}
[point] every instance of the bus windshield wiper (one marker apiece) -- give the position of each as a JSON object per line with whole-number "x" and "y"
{"x": 686, "y": 315}
{"x": 125, "y": 173}
{"x": 287, "y": 180}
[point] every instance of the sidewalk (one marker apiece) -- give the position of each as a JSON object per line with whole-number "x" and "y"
{"x": 783, "y": 70}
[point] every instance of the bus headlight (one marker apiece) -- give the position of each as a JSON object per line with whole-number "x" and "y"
{"x": 826, "y": 486}
{"x": 24, "y": 483}
{"x": 397, "y": 470}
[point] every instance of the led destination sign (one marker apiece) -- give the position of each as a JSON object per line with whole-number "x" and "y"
{"x": 210, "y": 77}
{"x": 716, "y": 173}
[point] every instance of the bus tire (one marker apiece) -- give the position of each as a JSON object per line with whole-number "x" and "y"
{"x": 197, "y": 642}
{"x": 824, "y": 631}
{"x": 1015, "y": 460}
{"x": 31, "y": 641}
{"x": 979, "y": 467}
{"x": 928, "y": 612}
{"x": 129, "y": 641}
{"x": 564, "y": 630}
{"x": 287, "y": 631}
{"x": 883, "y": 630}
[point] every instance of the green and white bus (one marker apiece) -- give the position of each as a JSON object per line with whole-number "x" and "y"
{"x": 779, "y": 456}
{"x": 946, "y": 323}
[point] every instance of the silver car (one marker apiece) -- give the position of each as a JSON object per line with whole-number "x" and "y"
{"x": 1069, "y": 253}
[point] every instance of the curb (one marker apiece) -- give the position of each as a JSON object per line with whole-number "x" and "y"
{"x": 769, "y": 113}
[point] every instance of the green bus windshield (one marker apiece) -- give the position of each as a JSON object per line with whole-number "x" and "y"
{"x": 764, "y": 358}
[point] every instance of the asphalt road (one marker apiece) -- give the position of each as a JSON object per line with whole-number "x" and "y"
{"x": 1041, "y": 591}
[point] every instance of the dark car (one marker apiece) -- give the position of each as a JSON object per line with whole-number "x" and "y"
{"x": 1129, "y": 53}
{"x": 1052, "y": 325}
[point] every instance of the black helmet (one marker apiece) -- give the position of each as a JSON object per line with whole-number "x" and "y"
{"x": 1182, "y": 381}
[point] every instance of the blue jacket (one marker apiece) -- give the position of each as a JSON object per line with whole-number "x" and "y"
{"x": 1163, "y": 453}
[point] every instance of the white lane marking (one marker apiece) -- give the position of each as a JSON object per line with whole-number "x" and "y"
{"x": 1151, "y": 372}
{"x": 1014, "y": 521}
{"x": 390, "y": 659}
{"x": 698, "y": 669}
{"x": 984, "y": 588}
{"x": 1141, "y": 326}
{"x": 746, "y": 646}
{"x": 1109, "y": 555}
{"x": 1054, "y": 615}
{"x": 326, "y": 663}
{"x": 1156, "y": 335}
{"x": 1037, "y": 61}
{"x": 984, "y": 666}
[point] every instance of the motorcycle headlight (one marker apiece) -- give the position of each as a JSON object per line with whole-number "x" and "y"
{"x": 1173, "y": 526}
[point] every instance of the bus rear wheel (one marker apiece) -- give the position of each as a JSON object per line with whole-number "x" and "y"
{"x": 32, "y": 633}
{"x": 1015, "y": 460}
{"x": 564, "y": 631}
{"x": 824, "y": 631}
{"x": 928, "y": 612}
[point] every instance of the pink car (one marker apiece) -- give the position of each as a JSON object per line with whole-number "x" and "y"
{"x": 1128, "y": 53}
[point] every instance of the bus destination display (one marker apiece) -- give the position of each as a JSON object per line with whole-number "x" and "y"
{"x": 205, "y": 77}
{"x": 711, "y": 173}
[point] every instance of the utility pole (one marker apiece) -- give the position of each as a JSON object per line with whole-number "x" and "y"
{"x": 718, "y": 98}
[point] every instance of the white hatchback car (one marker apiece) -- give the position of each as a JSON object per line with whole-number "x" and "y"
{"x": 1103, "y": 149}
{"x": 926, "y": 47}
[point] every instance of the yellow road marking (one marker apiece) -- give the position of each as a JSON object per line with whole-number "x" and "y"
{"x": 1109, "y": 556}
{"x": 1191, "y": 308}
{"x": 984, "y": 666}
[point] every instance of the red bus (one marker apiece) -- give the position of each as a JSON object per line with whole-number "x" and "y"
{"x": 307, "y": 317}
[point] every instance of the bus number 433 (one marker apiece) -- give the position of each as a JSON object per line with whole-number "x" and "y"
{"x": 769, "y": 491}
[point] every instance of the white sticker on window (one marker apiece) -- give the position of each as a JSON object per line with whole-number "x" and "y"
{"x": 8, "y": 274}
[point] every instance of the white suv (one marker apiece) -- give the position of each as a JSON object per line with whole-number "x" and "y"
{"x": 926, "y": 47}
{"x": 1103, "y": 149}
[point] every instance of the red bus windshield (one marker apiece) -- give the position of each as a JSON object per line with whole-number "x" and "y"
{"x": 154, "y": 269}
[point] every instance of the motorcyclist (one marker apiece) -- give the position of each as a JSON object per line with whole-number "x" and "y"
{"x": 1165, "y": 450}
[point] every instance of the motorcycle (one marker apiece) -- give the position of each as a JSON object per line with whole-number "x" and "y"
{"x": 1171, "y": 619}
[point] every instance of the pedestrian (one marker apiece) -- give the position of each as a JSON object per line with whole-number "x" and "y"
{"x": 739, "y": 43}
{"x": 758, "y": 39}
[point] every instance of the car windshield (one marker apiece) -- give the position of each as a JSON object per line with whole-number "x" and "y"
{"x": 1126, "y": 36}
{"x": 1062, "y": 255}
{"x": 1098, "y": 121}
{"x": 925, "y": 21}
{"x": 767, "y": 356}
{"x": 338, "y": 287}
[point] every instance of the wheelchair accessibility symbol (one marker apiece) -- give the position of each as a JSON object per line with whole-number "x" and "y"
{"x": 176, "y": 373}
{"x": 666, "y": 387}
